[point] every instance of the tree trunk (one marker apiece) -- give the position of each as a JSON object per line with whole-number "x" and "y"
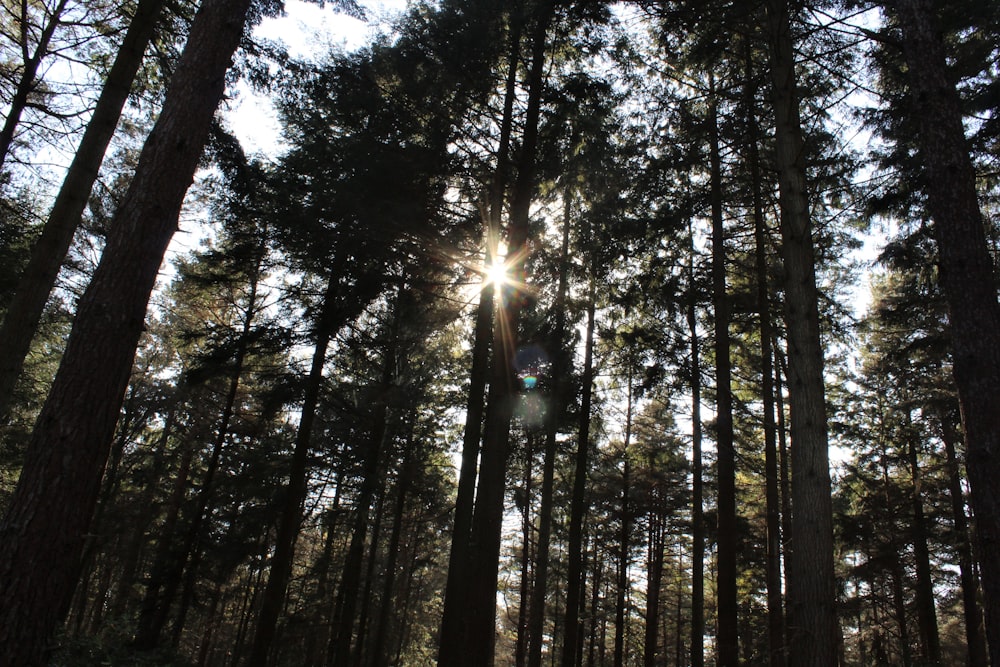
{"x": 295, "y": 493}
{"x": 974, "y": 638}
{"x": 555, "y": 411}
{"x": 453, "y": 616}
{"x": 380, "y": 644}
{"x": 42, "y": 534}
{"x": 728, "y": 608}
{"x": 347, "y": 597}
{"x": 697, "y": 485}
{"x": 130, "y": 560}
{"x": 899, "y": 610}
{"x": 364, "y": 613}
{"x": 775, "y": 613}
{"x": 966, "y": 275}
{"x": 654, "y": 578}
{"x": 926, "y": 614}
{"x": 622, "y": 583}
{"x": 811, "y": 591}
{"x": 170, "y": 572}
{"x": 784, "y": 465}
{"x": 573, "y": 635}
{"x": 524, "y": 605}
{"x": 47, "y": 255}
{"x": 480, "y": 635}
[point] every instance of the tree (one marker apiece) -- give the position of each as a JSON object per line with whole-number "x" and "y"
{"x": 48, "y": 252}
{"x": 812, "y": 621}
{"x": 480, "y": 607}
{"x": 967, "y": 274}
{"x": 44, "y": 526}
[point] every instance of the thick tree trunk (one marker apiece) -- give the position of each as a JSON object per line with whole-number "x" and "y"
{"x": 453, "y": 616}
{"x": 573, "y": 635}
{"x": 728, "y": 608}
{"x": 811, "y": 591}
{"x": 42, "y": 534}
{"x": 974, "y": 637}
{"x": 480, "y": 635}
{"x": 47, "y": 255}
{"x": 966, "y": 275}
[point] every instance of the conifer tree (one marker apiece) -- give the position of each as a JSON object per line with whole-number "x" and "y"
{"x": 45, "y": 523}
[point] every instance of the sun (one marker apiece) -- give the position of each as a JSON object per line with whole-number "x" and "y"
{"x": 496, "y": 274}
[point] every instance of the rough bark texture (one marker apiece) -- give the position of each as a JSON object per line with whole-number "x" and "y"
{"x": 966, "y": 275}
{"x": 42, "y": 535}
{"x": 811, "y": 593}
{"x": 47, "y": 255}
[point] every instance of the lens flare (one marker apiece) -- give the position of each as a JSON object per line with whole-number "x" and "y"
{"x": 496, "y": 274}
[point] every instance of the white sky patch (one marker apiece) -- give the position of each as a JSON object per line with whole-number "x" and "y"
{"x": 308, "y": 31}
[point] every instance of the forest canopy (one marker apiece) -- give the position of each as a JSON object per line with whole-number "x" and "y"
{"x": 586, "y": 333}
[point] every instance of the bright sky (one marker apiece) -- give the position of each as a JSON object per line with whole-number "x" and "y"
{"x": 308, "y": 30}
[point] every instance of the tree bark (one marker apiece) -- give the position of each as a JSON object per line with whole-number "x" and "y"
{"x": 35, "y": 284}
{"x": 480, "y": 635}
{"x": 728, "y": 608}
{"x": 573, "y": 635}
{"x": 453, "y": 616}
{"x": 966, "y": 276}
{"x": 43, "y": 531}
{"x": 775, "y": 611}
{"x": 811, "y": 591}
{"x": 974, "y": 638}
